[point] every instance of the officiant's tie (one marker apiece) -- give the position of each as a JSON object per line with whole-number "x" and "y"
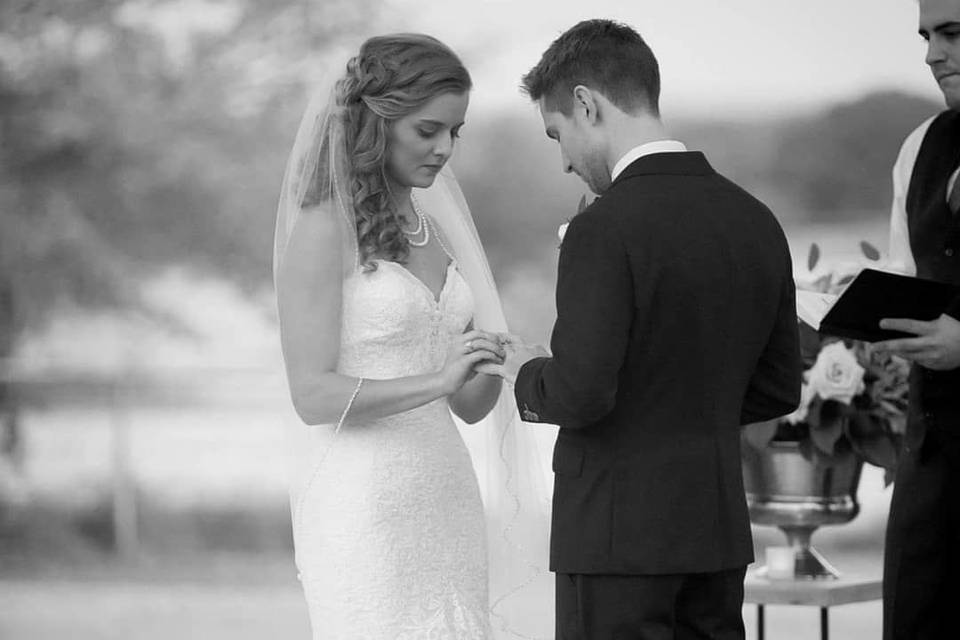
{"x": 953, "y": 200}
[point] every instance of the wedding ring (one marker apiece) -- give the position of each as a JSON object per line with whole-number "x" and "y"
{"x": 469, "y": 346}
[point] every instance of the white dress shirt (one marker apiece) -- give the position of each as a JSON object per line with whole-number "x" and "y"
{"x": 657, "y": 146}
{"x": 901, "y": 257}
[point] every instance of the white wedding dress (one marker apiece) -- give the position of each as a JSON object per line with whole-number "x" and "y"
{"x": 388, "y": 522}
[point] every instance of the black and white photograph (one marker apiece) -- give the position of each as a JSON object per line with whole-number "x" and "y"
{"x": 479, "y": 320}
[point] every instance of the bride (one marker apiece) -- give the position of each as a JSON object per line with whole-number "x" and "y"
{"x": 386, "y": 307}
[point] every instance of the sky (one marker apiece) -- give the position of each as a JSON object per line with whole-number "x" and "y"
{"x": 717, "y": 57}
{"x": 735, "y": 57}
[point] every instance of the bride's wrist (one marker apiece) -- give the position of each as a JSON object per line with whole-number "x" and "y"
{"x": 439, "y": 385}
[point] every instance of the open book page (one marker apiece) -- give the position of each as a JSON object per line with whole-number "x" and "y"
{"x": 812, "y": 306}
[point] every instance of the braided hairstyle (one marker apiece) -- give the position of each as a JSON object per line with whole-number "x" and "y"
{"x": 391, "y": 77}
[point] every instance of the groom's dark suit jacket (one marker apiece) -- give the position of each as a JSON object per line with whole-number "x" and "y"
{"x": 676, "y": 324}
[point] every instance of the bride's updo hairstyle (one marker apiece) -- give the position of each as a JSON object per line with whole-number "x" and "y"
{"x": 391, "y": 77}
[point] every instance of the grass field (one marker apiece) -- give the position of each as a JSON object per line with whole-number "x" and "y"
{"x": 215, "y": 562}
{"x": 252, "y": 601}
{"x": 122, "y": 610}
{"x": 137, "y": 611}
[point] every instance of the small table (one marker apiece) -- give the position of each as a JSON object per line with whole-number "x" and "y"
{"x": 760, "y": 591}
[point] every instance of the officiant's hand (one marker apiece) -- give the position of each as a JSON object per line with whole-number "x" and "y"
{"x": 937, "y": 345}
{"x": 518, "y": 353}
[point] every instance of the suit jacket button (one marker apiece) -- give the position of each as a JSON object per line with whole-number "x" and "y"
{"x": 948, "y": 252}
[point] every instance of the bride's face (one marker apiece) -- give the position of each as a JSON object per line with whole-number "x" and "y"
{"x": 420, "y": 143}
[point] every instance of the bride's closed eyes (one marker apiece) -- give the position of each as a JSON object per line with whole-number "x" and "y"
{"x": 427, "y": 132}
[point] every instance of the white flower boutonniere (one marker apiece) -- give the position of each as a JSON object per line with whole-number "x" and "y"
{"x": 562, "y": 229}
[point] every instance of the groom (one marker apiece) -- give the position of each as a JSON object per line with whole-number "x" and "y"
{"x": 675, "y": 325}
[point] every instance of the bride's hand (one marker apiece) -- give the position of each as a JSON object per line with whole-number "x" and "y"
{"x": 466, "y": 352}
{"x": 517, "y": 353}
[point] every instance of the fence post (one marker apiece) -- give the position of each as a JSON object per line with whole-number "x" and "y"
{"x": 125, "y": 513}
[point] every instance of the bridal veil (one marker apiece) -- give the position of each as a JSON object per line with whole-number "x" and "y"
{"x": 502, "y": 448}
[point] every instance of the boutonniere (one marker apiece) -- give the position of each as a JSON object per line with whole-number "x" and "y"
{"x": 562, "y": 230}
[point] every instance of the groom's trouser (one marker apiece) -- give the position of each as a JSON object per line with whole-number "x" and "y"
{"x": 921, "y": 574}
{"x": 694, "y": 606}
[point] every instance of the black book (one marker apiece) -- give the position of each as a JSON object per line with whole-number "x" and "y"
{"x": 872, "y": 296}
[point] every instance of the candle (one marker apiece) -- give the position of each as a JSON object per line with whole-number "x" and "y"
{"x": 781, "y": 563}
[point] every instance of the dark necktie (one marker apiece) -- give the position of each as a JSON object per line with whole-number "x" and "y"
{"x": 953, "y": 200}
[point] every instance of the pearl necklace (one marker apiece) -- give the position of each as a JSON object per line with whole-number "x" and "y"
{"x": 423, "y": 225}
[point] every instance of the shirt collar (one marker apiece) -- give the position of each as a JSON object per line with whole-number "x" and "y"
{"x": 657, "y": 146}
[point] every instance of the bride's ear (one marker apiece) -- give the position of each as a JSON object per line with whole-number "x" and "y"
{"x": 585, "y": 104}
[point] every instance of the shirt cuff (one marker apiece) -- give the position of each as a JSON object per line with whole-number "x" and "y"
{"x": 953, "y": 309}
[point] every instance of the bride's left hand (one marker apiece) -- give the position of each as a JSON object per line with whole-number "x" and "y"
{"x": 465, "y": 352}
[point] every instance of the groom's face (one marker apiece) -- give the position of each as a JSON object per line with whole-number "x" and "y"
{"x": 940, "y": 27}
{"x": 579, "y": 150}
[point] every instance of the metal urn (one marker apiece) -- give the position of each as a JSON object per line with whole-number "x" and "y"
{"x": 786, "y": 490}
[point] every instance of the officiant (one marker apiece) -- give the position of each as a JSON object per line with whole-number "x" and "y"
{"x": 922, "y": 553}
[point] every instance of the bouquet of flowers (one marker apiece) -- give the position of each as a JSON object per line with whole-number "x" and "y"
{"x": 854, "y": 398}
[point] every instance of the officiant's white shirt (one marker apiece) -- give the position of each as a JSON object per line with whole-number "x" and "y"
{"x": 901, "y": 257}
{"x": 657, "y": 146}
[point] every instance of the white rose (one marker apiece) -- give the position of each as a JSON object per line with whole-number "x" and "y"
{"x": 562, "y": 230}
{"x": 836, "y": 375}
{"x": 807, "y": 394}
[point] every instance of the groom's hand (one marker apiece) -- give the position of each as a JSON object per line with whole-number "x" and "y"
{"x": 518, "y": 354}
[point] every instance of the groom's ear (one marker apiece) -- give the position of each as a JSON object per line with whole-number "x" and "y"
{"x": 585, "y": 104}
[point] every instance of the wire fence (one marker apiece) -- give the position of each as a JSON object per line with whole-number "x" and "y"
{"x": 144, "y": 443}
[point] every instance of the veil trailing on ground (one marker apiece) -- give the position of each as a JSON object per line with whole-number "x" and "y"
{"x": 502, "y": 448}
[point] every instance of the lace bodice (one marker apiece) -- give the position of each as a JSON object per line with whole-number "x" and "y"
{"x": 393, "y": 325}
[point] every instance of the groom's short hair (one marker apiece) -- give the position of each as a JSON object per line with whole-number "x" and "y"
{"x": 604, "y": 55}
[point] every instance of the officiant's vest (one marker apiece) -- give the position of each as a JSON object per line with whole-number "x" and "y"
{"x": 935, "y": 244}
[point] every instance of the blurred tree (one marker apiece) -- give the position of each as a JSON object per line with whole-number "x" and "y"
{"x": 841, "y": 160}
{"x": 512, "y": 178}
{"x": 743, "y": 151}
{"x": 824, "y": 166}
{"x": 136, "y": 134}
